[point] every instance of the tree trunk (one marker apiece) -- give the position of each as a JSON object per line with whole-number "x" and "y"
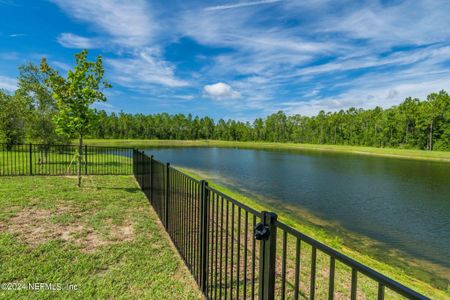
{"x": 335, "y": 134}
{"x": 431, "y": 136}
{"x": 80, "y": 157}
{"x": 406, "y": 134}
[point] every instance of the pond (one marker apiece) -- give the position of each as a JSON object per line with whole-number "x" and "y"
{"x": 403, "y": 205}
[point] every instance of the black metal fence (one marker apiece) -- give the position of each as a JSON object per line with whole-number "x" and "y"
{"x": 236, "y": 252}
{"x": 39, "y": 159}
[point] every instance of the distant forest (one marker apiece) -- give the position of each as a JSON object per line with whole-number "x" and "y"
{"x": 27, "y": 115}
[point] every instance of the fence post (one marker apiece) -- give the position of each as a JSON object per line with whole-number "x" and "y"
{"x": 268, "y": 257}
{"x": 151, "y": 179}
{"x": 166, "y": 198}
{"x": 31, "y": 159}
{"x": 141, "y": 169}
{"x": 85, "y": 160}
{"x": 134, "y": 162}
{"x": 204, "y": 236}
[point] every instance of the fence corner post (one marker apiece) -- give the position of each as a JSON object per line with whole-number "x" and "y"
{"x": 268, "y": 258}
{"x": 166, "y": 198}
{"x": 204, "y": 236}
{"x": 31, "y": 159}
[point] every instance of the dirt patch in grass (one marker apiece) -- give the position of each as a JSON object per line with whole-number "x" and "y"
{"x": 34, "y": 226}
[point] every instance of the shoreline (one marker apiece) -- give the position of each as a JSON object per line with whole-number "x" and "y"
{"x": 436, "y": 156}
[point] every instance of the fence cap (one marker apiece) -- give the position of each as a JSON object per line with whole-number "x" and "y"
{"x": 269, "y": 214}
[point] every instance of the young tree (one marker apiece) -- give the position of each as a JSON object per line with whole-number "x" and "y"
{"x": 74, "y": 96}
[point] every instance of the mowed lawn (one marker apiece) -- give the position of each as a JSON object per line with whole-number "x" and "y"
{"x": 100, "y": 241}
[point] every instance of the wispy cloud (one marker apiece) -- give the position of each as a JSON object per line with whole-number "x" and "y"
{"x": 7, "y": 83}
{"x": 321, "y": 52}
{"x": 368, "y": 96}
{"x": 240, "y": 4}
{"x": 383, "y": 25}
{"x": 7, "y": 2}
{"x": 61, "y": 65}
{"x": 108, "y": 107}
{"x": 125, "y": 28}
{"x": 13, "y": 35}
{"x": 70, "y": 40}
{"x": 184, "y": 97}
{"x": 143, "y": 68}
{"x": 9, "y": 55}
{"x": 128, "y": 23}
{"x": 302, "y": 57}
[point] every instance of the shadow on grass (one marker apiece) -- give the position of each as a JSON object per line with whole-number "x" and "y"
{"x": 128, "y": 190}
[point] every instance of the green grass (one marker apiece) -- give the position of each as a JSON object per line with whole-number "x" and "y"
{"x": 104, "y": 238}
{"x": 367, "y": 288}
{"x": 388, "y": 152}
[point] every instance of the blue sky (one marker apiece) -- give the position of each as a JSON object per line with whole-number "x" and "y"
{"x": 238, "y": 59}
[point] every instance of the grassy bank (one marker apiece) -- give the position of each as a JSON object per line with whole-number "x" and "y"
{"x": 387, "y": 152}
{"x": 104, "y": 239}
{"x": 402, "y": 273}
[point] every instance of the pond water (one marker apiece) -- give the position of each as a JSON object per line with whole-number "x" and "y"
{"x": 402, "y": 204}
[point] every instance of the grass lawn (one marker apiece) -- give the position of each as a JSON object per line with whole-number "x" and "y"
{"x": 400, "y": 153}
{"x": 104, "y": 240}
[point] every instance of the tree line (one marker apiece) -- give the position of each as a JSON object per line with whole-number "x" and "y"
{"x": 412, "y": 124}
{"x": 28, "y": 114}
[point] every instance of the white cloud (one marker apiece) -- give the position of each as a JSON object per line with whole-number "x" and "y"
{"x": 306, "y": 47}
{"x": 384, "y": 25}
{"x": 220, "y": 91}
{"x": 369, "y": 95}
{"x": 240, "y": 4}
{"x": 7, "y": 83}
{"x": 128, "y": 22}
{"x": 304, "y": 50}
{"x": 143, "y": 68}
{"x": 126, "y": 28}
{"x": 432, "y": 54}
{"x": 70, "y": 40}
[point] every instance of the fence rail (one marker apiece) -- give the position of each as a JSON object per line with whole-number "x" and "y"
{"x": 39, "y": 159}
{"x": 236, "y": 252}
